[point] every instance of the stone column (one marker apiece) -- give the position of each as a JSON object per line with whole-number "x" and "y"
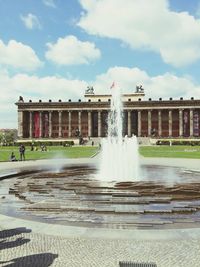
{"x": 99, "y": 124}
{"x": 70, "y": 124}
{"x": 170, "y": 123}
{"x": 20, "y": 124}
{"x": 180, "y": 122}
{"x": 89, "y": 123}
{"x": 139, "y": 123}
{"x": 41, "y": 124}
{"x": 191, "y": 123}
{"x": 50, "y": 123}
{"x": 129, "y": 123}
{"x": 159, "y": 123}
{"x": 149, "y": 122}
{"x": 79, "y": 122}
{"x": 59, "y": 123}
{"x": 30, "y": 124}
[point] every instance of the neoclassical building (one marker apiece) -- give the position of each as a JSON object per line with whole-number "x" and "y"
{"x": 64, "y": 120}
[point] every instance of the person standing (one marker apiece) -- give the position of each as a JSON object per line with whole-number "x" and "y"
{"x": 22, "y": 152}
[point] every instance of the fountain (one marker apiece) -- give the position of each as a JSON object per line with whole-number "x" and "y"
{"x": 121, "y": 195}
{"x": 118, "y": 152}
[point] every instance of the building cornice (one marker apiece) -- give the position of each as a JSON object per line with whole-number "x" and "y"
{"x": 151, "y": 104}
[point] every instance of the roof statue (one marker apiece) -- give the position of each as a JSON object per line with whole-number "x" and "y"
{"x": 21, "y": 99}
{"x": 139, "y": 89}
{"x": 89, "y": 90}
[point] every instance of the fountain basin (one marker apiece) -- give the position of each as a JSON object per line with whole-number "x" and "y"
{"x": 74, "y": 196}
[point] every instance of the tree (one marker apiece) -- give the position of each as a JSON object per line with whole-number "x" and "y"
{"x": 7, "y": 137}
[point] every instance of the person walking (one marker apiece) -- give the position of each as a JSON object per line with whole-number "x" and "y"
{"x": 22, "y": 152}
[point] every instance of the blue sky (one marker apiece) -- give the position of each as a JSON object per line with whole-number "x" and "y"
{"x": 55, "y": 49}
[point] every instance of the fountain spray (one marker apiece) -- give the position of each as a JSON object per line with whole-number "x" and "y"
{"x": 119, "y": 156}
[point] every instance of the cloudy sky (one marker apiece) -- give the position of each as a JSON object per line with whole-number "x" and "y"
{"x": 56, "y": 48}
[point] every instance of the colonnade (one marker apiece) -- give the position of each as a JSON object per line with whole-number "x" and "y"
{"x": 170, "y": 121}
{"x": 99, "y": 122}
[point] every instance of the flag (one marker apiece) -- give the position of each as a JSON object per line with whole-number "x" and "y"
{"x": 113, "y": 85}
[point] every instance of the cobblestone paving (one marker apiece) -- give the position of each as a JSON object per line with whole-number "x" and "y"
{"x": 23, "y": 248}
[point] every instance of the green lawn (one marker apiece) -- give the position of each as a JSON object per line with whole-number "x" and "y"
{"x": 171, "y": 151}
{"x": 88, "y": 151}
{"x": 52, "y": 152}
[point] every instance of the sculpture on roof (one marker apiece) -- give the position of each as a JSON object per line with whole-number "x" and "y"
{"x": 89, "y": 90}
{"x": 21, "y": 99}
{"x": 139, "y": 89}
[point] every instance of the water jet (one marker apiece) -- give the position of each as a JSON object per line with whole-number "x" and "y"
{"x": 119, "y": 156}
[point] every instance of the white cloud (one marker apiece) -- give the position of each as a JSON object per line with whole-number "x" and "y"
{"x": 125, "y": 78}
{"x": 31, "y": 21}
{"x": 19, "y": 56}
{"x": 48, "y": 87}
{"x": 71, "y": 51}
{"x": 144, "y": 24}
{"x": 55, "y": 88}
{"x": 165, "y": 86}
{"x": 49, "y": 3}
{"x": 35, "y": 88}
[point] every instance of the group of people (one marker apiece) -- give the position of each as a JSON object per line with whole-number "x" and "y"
{"x": 21, "y": 154}
{"x": 35, "y": 148}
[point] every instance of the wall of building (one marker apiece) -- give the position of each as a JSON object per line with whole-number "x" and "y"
{"x": 89, "y": 119}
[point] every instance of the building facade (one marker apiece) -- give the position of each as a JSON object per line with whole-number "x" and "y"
{"x": 88, "y": 118}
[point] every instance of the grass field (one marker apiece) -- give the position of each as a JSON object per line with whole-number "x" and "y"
{"x": 171, "y": 151}
{"x": 52, "y": 152}
{"x": 88, "y": 151}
